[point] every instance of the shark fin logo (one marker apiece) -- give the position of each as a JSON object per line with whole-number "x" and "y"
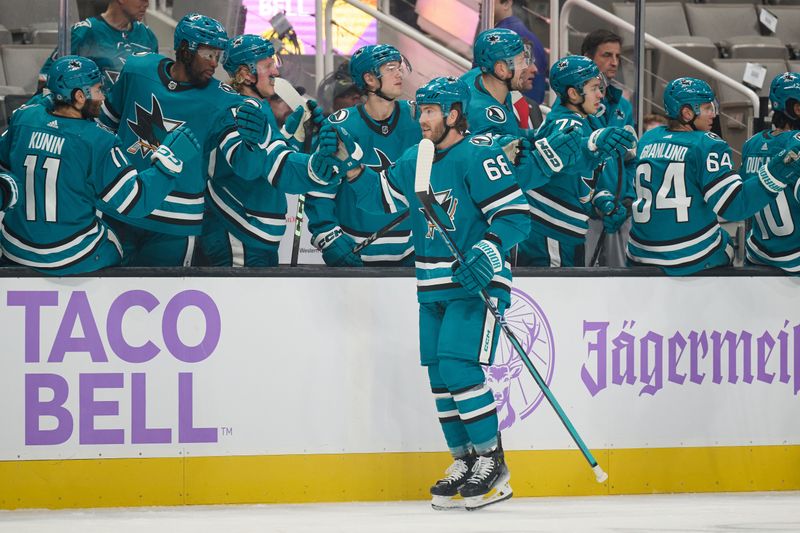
{"x": 445, "y": 210}
{"x": 383, "y": 161}
{"x": 150, "y": 127}
{"x": 496, "y": 114}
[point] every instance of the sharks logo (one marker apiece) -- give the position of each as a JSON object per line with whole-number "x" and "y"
{"x": 383, "y": 162}
{"x": 496, "y": 114}
{"x": 445, "y": 205}
{"x": 339, "y": 116}
{"x": 150, "y": 127}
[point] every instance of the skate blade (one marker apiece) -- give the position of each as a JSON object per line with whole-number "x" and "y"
{"x": 447, "y": 503}
{"x": 498, "y": 494}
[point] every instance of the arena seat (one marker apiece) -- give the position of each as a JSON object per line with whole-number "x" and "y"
{"x": 661, "y": 20}
{"x": 667, "y": 68}
{"x": 5, "y": 35}
{"x": 21, "y": 64}
{"x": 720, "y": 22}
{"x": 44, "y": 33}
{"x": 736, "y": 109}
{"x": 788, "y": 30}
{"x": 794, "y": 66}
{"x": 35, "y": 12}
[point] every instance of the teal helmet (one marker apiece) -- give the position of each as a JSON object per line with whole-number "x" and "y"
{"x": 444, "y": 91}
{"x": 246, "y": 50}
{"x": 784, "y": 88}
{"x": 572, "y": 71}
{"x": 200, "y": 30}
{"x": 690, "y": 92}
{"x": 497, "y": 44}
{"x": 369, "y": 59}
{"x": 70, "y": 73}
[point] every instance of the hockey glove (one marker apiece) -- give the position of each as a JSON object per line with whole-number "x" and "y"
{"x": 631, "y": 153}
{"x": 610, "y": 141}
{"x": 510, "y": 146}
{"x": 349, "y": 151}
{"x": 614, "y": 214}
{"x": 558, "y": 151}
{"x": 481, "y": 263}
{"x": 251, "y": 122}
{"x": 782, "y": 170}
{"x": 178, "y": 147}
{"x": 337, "y": 249}
{"x": 9, "y": 193}
{"x": 295, "y": 124}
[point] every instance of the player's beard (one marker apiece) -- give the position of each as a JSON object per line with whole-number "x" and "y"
{"x": 435, "y": 132}
{"x": 196, "y": 77}
{"x": 91, "y": 109}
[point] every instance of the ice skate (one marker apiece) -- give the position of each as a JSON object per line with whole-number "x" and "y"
{"x": 444, "y": 493}
{"x": 488, "y": 482}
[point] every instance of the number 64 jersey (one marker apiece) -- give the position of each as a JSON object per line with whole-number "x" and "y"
{"x": 684, "y": 181}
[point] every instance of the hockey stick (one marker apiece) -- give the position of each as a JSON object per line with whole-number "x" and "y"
{"x": 434, "y": 213}
{"x": 381, "y": 232}
{"x": 293, "y": 99}
{"x": 602, "y": 240}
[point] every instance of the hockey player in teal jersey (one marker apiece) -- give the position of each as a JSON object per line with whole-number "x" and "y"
{"x": 685, "y": 180}
{"x": 70, "y": 166}
{"x": 475, "y": 185}
{"x": 604, "y": 48}
{"x": 384, "y": 127}
{"x": 246, "y": 218}
{"x": 561, "y": 208}
{"x": 110, "y": 38}
{"x": 504, "y": 64}
{"x": 154, "y": 95}
{"x": 774, "y": 239}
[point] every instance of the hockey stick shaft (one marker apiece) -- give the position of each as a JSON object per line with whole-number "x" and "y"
{"x": 600, "y": 475}
{"x": 602, "y": 240}
{"x": 381, "y": 232}
{"x": 298, "y": 228}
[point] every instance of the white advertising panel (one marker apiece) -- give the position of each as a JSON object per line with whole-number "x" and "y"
{"x": 165, "y": 367}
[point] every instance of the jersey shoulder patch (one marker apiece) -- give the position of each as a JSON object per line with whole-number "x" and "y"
{"x": 713, "y": 136}
{"x": 481, "y": 140}
{"x": 339, "y": 116}
{"x": 496, "y": 114}
{"x": 227, "y": 88}
{"x": 82, "y": 24}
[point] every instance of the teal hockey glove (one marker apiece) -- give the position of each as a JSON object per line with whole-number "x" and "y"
{"x": 294, "y": 125}
{"x": 327, "y": 140}
{"x": 558, "y": 151}
{"x": 8, "y": 191}
{"x": 480, "y": 265}
{"x": 178, "y": 147}
{"x": 782, "y": 170}
{"x": 349, "y": 151}
{"x": 614, "y": 214}
{"x": 609, "y": 141}
{"x": 322, "y": 165}
{"x": 252, "y": 125}
{"x": 337, "y": 249}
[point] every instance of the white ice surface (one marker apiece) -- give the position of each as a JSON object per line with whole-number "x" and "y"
{"x": 679, "y": 513}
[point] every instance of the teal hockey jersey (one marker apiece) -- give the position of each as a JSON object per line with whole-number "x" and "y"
{"x": 478, "y": 201}
{"x": 773, "y": 239}
{"x": 485, "y": 114}
{"x": 684, "y": 181}
{"x": 107, "y": 46}
{"x": 560, "y": 209}
{"x": 254, "y": 210}
{"x": 382, "y": 143}
{"x": 145, "y": 104}
{"x": 66, "y": 167}
{"x": 615, "y": 111}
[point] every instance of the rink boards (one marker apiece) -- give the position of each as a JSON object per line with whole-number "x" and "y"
{"x": 163, "y": 391}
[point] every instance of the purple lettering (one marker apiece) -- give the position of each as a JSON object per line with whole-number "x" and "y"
{"x": 186, "y": 430}
{"x": 673, "y": 344}
{"x": 598, "y": 347}
{"x": 695, "y": 343}
{"x": 653, "y": 379}
{"x": 78, "y": 311}
{"x": 116, "y": 339}
{"x": 765, "y": 344}
{"x": 169, "y": 326}
{"x": 140, "y": 433}
{"x": 35, "y": 409}
{"x": 90, "y": 408}
{"x": 32, "y": 301}
{"x": 624, "y": 341}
